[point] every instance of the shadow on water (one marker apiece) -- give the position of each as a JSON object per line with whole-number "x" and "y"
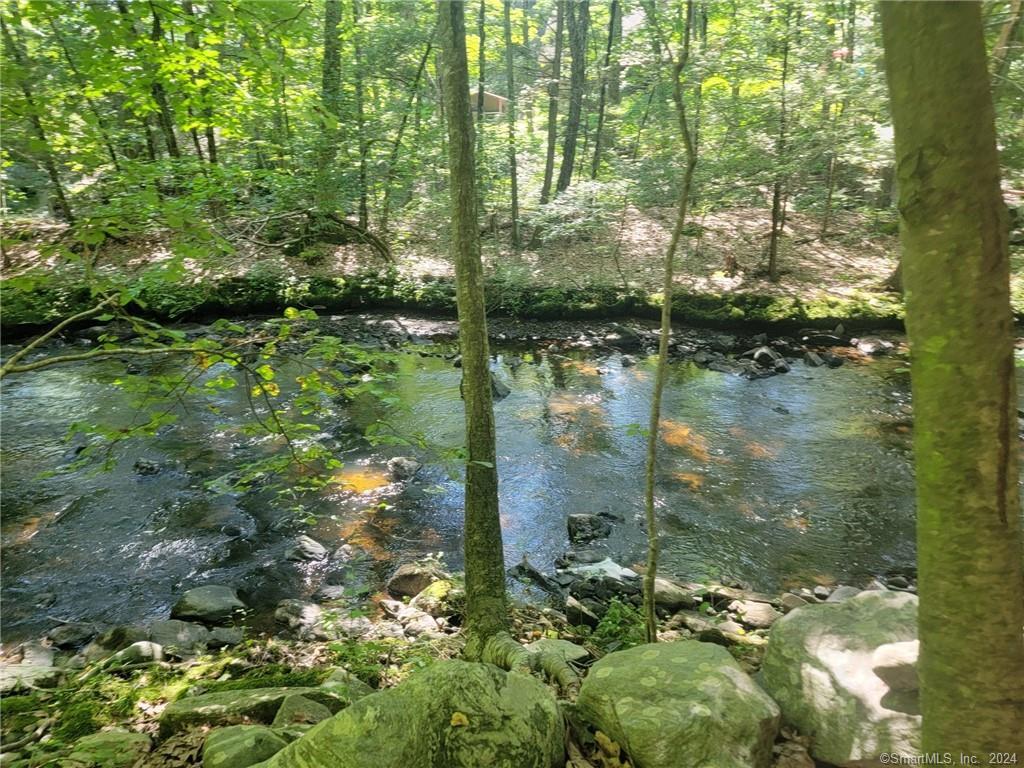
{"x": 792, "y": 479}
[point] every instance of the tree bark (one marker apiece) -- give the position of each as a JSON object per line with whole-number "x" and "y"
{"x": 364, "y": 147}
{"x": 20, "y": 56}
{"x": 330, "y": 101}
{"x": 207, "y": 107}
{"x": 486, "y": 608}
{"x": 579, "y": 20}
{"x": 510, "y": 116}
{"x": 481, "y": 63}
{"x": 778, "y": 209}
{"x": 165, "y": 116}
{"x": 956, "y": 273}
{"x": 661, "y": 375}
{"x": 554, "y": 84}
{"x": 613, "y": 11}
{"x": 1000, "y": 59}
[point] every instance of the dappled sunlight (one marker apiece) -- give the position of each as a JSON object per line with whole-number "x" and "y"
{"x": 677, "y": 435}
{"x": 361, "y": 479}
{"x": 691, "y": 480}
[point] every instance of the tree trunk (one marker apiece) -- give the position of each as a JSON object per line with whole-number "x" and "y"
{"x": 510, "y": 116}
{"x": 613, "y": 11}
{"x": 615, "y": 68}
{"x": 207, "y": 111}
{"x": 481, "y": 63}
{"x": 956, "y": 272}
{"x": 20, "y": 56}
{"x": 579, "y": 20}
{"x": 778, "y": 210}
{"x": 1000, "y": 59}
{"x": 554, "y": 84}
{"x": 326, "y": 194}
{"x": 165, "y": 116}
{"x": 410, "y": 105}
{"x": 364, "y": 147}
{"x": 486, "y": 608}
{"x": 679, "y": 100}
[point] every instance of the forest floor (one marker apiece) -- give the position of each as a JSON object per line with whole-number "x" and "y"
{"x": 726, "y": 257}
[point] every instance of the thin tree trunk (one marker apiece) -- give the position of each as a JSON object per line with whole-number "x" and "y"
{"x": 953, "y": 231}
{"x": 211, "y": 141}
{"x": 1000, "y": 59}
{"x": 20, "y": 56}
{"x": 679, "y": 99}
{"x": 615, "y": 68}
{"x": 554, "y": 84}
{"x": 510, "y": 116}
{"x": 164, "y": 114}
{"x": 778, "y": 213}
{"x": 613, "y": 11}
{"x": 481, "y": 63}
{"x": 330, "y": 99}
{"x": 486, "y": 607}
{"x": 579, "y": 20}
{"x": 528, "y": 110}
{"x": 80, "y": 81}
{"x": 396, "y": 146}
{"x": 364, "y": 147}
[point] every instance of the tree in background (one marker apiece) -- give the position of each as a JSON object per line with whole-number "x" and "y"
{"x": 956, "y": 277}
{"x": 578, "y": 14}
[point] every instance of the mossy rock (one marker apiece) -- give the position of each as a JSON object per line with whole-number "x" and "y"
{"x": 234, "y": 707}
{"x": 454, "y": 714}
{"x": 110, "y": 749}
{"x": 239, "y": 746}
{"x": 300, "y": 710}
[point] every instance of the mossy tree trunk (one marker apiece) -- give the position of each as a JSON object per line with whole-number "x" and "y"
{"x": 956, "y": 280}
{"x": 486, "y": 609}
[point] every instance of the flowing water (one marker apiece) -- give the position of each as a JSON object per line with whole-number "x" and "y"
{"x": 793, "y": 479}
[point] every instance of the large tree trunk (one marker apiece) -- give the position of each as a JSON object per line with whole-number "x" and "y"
{"x": 579, "y": 20}
{"x": 510, "y": 116}
{"x": 613, "y": 11}
{"x": 20, "y": 56}
{"x": 956, "y": 273}
{"x": 486, "y": 609}
{"x": 554, "y": 84}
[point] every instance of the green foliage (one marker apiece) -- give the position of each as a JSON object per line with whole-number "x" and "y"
{"x": 621, "y": 627}
{"x": 373, "y": 660}
{"x": 269, "y": 676}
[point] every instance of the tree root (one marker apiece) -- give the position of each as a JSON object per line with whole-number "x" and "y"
{"x": 503, "y": 651}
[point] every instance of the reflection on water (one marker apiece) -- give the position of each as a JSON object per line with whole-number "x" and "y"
{"x": 796, "y": 478}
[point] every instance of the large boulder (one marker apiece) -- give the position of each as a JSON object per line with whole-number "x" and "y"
{"x": 239, "y": 746}
{"x": 258, "y": 705}
{"x": 110, "y": 749}
{"x": 682, "y": 703}
{"x": 454, "y": 713}
{"x": 820, "y": 668}
{"x": 210, "y": 604}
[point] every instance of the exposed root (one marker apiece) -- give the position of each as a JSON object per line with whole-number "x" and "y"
{"x": 503, "y": 651}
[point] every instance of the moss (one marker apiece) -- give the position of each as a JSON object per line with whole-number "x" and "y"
{"x": 19, "y": 712}
{"x": 271, "y": 676}
{"x": 79, "y": 719}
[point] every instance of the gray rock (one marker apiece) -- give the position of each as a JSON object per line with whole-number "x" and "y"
{"x": 306, "y": 548}
{"x": 71, "y": 635}
{"x": 140, "y": 652}
{"x": 35, "y": 670}
{"x": 226, "y": 637}
{"x": 623, "y": 337}
{"x": 110, "y": 749}
{"x": 822, "y": 592}
{"x": 403, "y": 468}
{"x": 300, "y": 710}
{"x": 578, "y": 615}
{"x": 791, "y": 602}
{"x": 239, "y": 746}
{"x": 302, "y": 618}
{"x": 753, "y": 614}
{"x": 627, "y": 361}
{"x": 345, "y": 685}
{"x": 812, "y": 359}
{"x": 328, "y": 593}
{"x": 841, "y": 593}
{"x": 412, "y": 578}
{"x": 819, "y": 668}
{"x": 453, "y": 713}
{"x": 179, "y": 638}
{"x": 499, "y": 389}
{"x": 683, "y": 703}
{"x": 209, "y": 604}
{"x": 234, "y": 707}
{"x": 605, "y": 569}
{"x": 434, "y": 600}
{"x": 584, "y": 528}
{"x": 671, "y": 597}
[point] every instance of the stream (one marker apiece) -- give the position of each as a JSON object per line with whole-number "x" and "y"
{"x": 795, "y": 479}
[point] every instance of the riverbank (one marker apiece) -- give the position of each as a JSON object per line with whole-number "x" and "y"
{"x": 174, "y": 692}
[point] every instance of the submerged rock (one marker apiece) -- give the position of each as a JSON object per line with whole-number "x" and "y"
{"x": 239, "y": 746}
{"x": 454, "y": 713}
{"x": 499, "y": 389}
{"x": 682, "y": 703}
{"x": 306, "y": 548}
{"x": 403, "y": 468}
{"x": 819, "y": 667}
{"x": 584, "y": 528}
{"x": 210, "y": 604}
